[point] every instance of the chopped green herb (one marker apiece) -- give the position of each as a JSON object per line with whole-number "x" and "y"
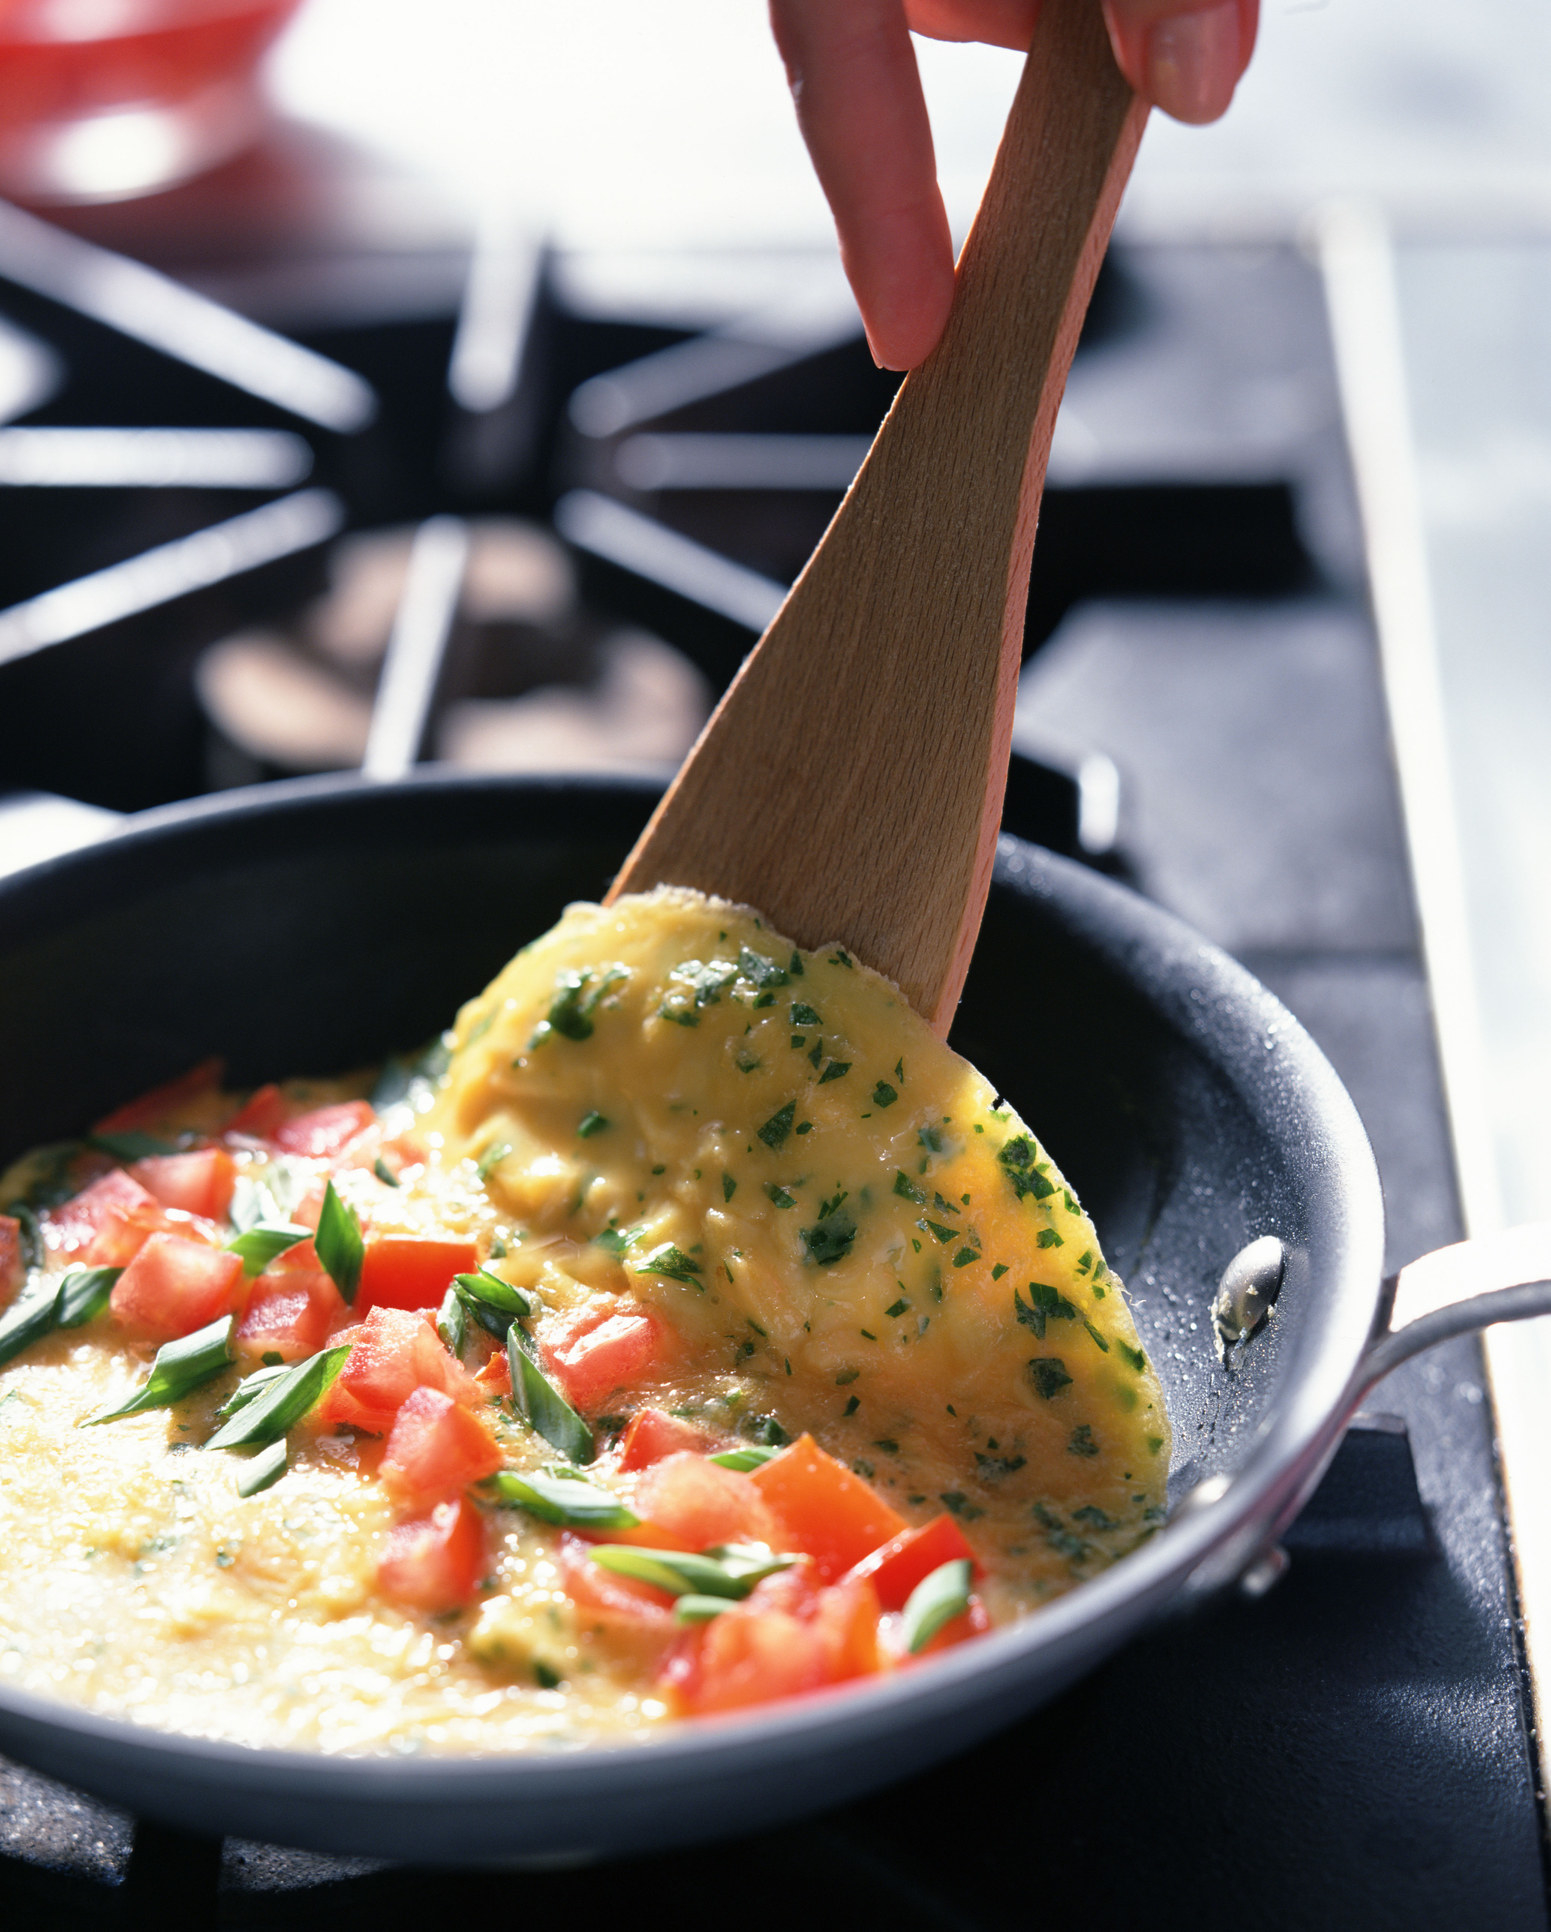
{"x": 829, "y": 1240}
{"x": 794, "y": 965}
{"x": 845, "y": 1376}
{"x": 888, "y": 1446}
{"x": 729, "y": 1187}
{"x": 572, "y": 1010}
{"x": 779, "y": 1125}
{"x": 692, "y": 1609}
{"x": 958, "y": 1504}
{"x": 896, "y": 1309}
{"x": 1044, "y": 1304}
{"x": 883, "y": 1095}
{"x": 931, "y": 1138}
{"x": 748, "y": 1063}
{"x": 817, "y": 1053}
{"x": 384, "y": 1173}
{"x": 779, "y": 1195}
{"x": 965, "y": 1256}
{"x": 805, "y": 1126}
{"x": 673, "y": 1262}
{"x": 340, "y": 1246}
{"x": 281, "y": 1404}
{"x": 995, "y": 1469}
{"x": 591, "y": 1123}
{"x": 492, "y": 1158}
{"x": 1094, "y": 1333}
{"x": 180, "y": 1367}
{"x": 29, "y": 1318}
{"x": 836, "y": 1070}
{"x": 763, "y": 972}
{"x": 1080, "y": 1442}
{"x": 612, "y": 1241}
{"x": 851, "y": 1407}
{"x": 1049, "y": 1376}
{"x": 799, "y": 1040}
{"x": 1134, "y": 1356}
{"x": 943, "y": 1234}
{"x": 840, "y": 957}
{"x": 1048, "y": 1238}
{"x": 252, "y": 1386}
{"x": 805, "y": 1015}
{"x": 906, "y": 1189}
{"x": 1017, "y": 1162}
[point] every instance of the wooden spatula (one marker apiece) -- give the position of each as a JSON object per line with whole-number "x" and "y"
{"x": 850, "y": 782}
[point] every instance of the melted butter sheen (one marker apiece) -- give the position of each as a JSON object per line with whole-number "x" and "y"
{"x": 660, "y": 1102}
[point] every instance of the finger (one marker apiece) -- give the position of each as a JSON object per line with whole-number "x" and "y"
{"x": 859, "y": 103}
{"x": 999, "y": 23}
{"x": 1186, "y": 59}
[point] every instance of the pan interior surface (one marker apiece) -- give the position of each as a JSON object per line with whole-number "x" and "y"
{"x": 321, "y": 926}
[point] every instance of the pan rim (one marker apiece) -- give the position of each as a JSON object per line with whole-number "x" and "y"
{"x": 1211, "y": 1544}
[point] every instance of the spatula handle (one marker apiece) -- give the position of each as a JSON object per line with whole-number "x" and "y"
{"x": 850, "y": 784}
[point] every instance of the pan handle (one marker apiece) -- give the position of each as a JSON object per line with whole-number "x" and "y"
{"x": 1503, "y": 1277}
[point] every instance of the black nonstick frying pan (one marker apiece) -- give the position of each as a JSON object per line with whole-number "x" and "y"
{"x": 317, "y": 926}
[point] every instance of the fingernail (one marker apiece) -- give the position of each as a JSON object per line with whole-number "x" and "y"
{"x": 1193, "y": 62}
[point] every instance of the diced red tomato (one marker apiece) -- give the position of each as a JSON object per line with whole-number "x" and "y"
{"x": 326, "y": 1131}
{"x": 407, "y": 1271}
{"x": 698, "y": 1503}
{"x": 394, "y": 1352}
{"x": 592, "y": 1351}
{"x": 496, "y": 1376}
{"x": 651, "y": 1434}
{"x": 896, "y": 1567}
{"x": 290, "y": 1314}
{"x": 826, "y": 1508}
{"x": 260, "y": 1116}
{"x": 619, "y": 1599}
{"x": 789, "y": 1636}
{"x": 76, "y": 1223}
{"x": 199, "y": 1183}
{"x": 435, "y": 1448}
{"x": 11, "y": 1269}
{"x": 161, "y": 1103}
{"x": 435, "y": 1562}
{"x": 174, "y": 1286}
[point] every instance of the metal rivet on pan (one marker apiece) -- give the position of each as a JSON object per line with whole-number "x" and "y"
{"x": 1267, "y": 1570}
{"x": 1250, "y": 1284}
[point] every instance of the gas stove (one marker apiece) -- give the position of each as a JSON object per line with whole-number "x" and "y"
{"x": 1201, "y": 712}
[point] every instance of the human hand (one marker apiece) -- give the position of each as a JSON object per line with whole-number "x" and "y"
{"x": 853, "y": 76}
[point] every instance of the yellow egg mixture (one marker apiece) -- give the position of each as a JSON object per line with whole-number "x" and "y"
{"x": 658, "y": 1103}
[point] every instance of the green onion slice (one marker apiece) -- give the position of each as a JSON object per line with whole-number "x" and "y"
{"x": 571, "y": 1502}
{"x": 749, "y": 1563}
{"x": 251, "y": 1386}
{"x": 28, "y": 1319}
{"x": 495, "y": 1304}
{"x": 280, "y": 1405}
{"x": 83, "y": 1294}
{"x": 265, "y": 1469}
{"x": 452, "y": 1324}
{"x": 133, "y": 1145}
{"x": 691, "y": 1608}
{"x": 180, "y": 1367}
{"x": 749, "y": 1458}
{"x": 675, "y": 1571}
{"x": 937, "y": 1599}
{"x": 265, "y": 1242}
{"x": 341, "y": 1248}
{"x": 542, "y": 1404}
